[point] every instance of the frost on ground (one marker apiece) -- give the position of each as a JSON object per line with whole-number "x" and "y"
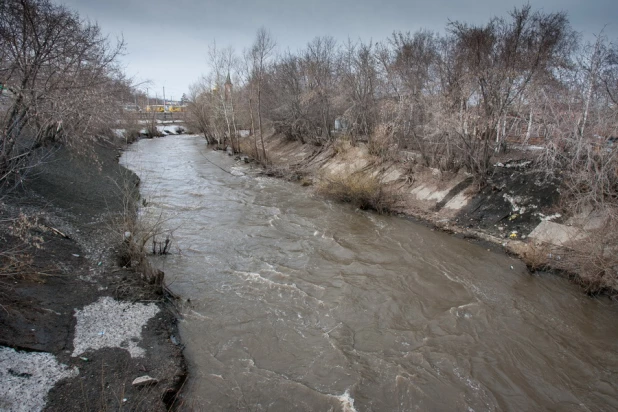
{"x": 27, "y": 377}
{"x": 109, "y": 323}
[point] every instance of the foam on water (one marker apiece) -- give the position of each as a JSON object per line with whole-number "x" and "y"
{"x": 347, "y": 402}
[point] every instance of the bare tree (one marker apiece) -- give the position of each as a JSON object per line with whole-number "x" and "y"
{"x": 62, "y": 81}
{"x": 260, "y": 55}
{"x": 500, "y": 61}
{"x": 358, "y": 81}
{"x": 289, "y": 113}
{"x": 319, "y": 61}
{"x": 200, "y": 109}
{"x": 408, "y": 67}
{"x": 581, "y": 118}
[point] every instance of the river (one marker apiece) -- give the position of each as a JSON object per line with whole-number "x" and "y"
{"x": 302, "y": 304}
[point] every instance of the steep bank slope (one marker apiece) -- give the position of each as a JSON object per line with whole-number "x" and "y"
{"x": 73, "y": 330}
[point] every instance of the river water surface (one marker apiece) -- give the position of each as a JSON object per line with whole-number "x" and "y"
{"x": 300, "y": 304}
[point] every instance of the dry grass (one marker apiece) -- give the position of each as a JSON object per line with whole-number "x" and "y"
{"x": 381, "y": 141}
{"x": 25, "y": 230}
{"x": 342, "y": 145}
{"x": 247, "y": 147}
{"x": 536, "y": 256}
{"x": 140, "y": 235}
{"x": 595, "y": 258}
{"x": 359, "y": 189}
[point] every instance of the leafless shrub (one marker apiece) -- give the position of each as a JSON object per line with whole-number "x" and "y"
{"x": 23, "y": 227}
{"x": 341, "y": 145}
{"x": 23, "y": 233}
{"x": 583, "y": 125}
{"x": 594, "y": 259}
{"x": 588, "y": 170}
{"x": 381, "y": 141}
{"x": 62, "y": 81}
{"x": 359, "y": 189}
{"x": 537, "y": 256}
{"x": 248, "y": 148}
{"x": 132, "y": 127}
{"x": 136, "y": 232}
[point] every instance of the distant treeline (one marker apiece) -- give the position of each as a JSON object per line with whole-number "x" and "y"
{"x": 456, "y": 98}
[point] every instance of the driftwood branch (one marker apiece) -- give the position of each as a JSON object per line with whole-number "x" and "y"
{"x": 59, "y": 233}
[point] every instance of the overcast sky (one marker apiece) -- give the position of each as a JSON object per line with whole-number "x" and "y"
{"x": 167, "y": 41}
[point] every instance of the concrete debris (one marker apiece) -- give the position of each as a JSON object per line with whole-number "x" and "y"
{"x": 109, "y": 323}
{"x": 556, "y": 234}
{"x": 514, "y": 164}
{"x": 27, "y": 377}
{"x": 550, "y": 217}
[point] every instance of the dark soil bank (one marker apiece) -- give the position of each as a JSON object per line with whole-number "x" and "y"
{"x": 512, "y": 202}
{"x": 79, "y": 197}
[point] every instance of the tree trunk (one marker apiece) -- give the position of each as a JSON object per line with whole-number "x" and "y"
{"x": 257, "y": 154}
{"x": 260, "y": 121}
{"x": 529, "y": 131}
{"x": 234, "y": 124}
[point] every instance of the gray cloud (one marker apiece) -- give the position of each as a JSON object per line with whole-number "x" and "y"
{"x": 167, "y": 41}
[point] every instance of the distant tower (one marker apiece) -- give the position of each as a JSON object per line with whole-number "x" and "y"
{"x": 228, "y": 88}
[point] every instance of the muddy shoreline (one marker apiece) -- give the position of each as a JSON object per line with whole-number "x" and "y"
{"x": 76, "y": 201}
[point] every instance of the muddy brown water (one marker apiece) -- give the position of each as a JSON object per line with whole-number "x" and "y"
{"x": 301, "y": 304}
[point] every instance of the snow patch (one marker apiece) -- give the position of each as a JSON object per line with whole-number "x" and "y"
{"x": 27, "y": 377}
{"x": 109, "y": 323}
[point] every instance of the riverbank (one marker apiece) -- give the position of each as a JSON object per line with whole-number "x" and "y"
{"x": 77, "y": 328}
{"x": 519, "y": 210}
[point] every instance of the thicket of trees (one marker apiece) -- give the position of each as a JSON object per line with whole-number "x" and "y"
{"x": 60, "y": 83}
{"x": 456, "y": 98}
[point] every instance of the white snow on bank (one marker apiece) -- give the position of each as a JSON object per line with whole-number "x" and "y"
{"x": 109, "y": 323}
{"x": 27, "y": 377}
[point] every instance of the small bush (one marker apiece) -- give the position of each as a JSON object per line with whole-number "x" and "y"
{"x": 381, "y": 141}
{"x": 140, "y": 233}
{"x": 153, "y": 131}
{"x": 536, "y": 257}
{"x": 247, "y": 147}
{"x": 360, "y": 189}
{"x": 342, "y": 145}
{"x": 20, "y": 235}
{"x": 131, "y": 135}
{"x": 595, "y": 258}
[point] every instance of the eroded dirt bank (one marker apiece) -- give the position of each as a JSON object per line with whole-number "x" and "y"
{"x": 76, "y": 328}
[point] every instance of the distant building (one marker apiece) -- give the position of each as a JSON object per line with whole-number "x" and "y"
{"x": 228, "y": 88}
{"x": 131, "y": 107}
{"x": 341, "y": 124}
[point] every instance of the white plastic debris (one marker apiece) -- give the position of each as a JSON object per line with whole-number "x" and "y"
{"x": 144, "y": 381}
{"x": 27, "y": 377}
{"x": 109, "y": 323}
